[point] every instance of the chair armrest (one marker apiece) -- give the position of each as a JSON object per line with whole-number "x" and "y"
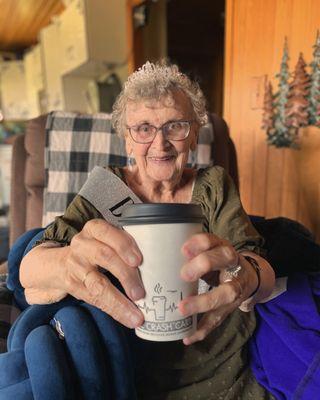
{"x": 18, "y": 196}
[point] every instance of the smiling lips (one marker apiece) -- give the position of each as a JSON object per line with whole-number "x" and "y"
{"x": 160, "y": 159}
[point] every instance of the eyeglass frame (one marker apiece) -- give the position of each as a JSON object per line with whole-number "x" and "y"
{"x": 160, "y": 128}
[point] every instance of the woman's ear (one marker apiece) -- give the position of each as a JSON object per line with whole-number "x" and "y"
{"x": 128, "y": 144}
{"x": 194, "y": 141}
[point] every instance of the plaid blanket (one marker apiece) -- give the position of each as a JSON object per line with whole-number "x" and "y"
{"x": 76, "y": 143}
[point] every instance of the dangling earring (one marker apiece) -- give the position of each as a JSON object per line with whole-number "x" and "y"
{"x": 193, "y": 158}
{"x": 130, "y": 162}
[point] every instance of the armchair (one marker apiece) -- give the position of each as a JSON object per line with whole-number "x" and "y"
{"x": 28, "y": 172}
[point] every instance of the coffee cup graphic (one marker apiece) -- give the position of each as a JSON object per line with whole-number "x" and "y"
{"x": 159, "y": 303}
{"x": 160, "y": 230}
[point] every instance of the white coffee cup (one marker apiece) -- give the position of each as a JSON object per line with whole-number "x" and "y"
{"x": 160, "y": 230}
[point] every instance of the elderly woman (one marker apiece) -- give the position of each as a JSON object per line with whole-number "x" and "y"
{"x": 159, "y": 113}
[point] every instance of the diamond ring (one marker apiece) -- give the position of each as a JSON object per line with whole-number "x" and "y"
{"x": 232, "y": 272}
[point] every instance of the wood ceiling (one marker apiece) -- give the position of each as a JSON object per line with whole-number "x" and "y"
{"x": 21, "y": 21}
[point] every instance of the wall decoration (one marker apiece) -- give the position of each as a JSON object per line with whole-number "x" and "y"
{"x": 280, "y": 135}
{"x": 314, "y": 94}
{"x": 297, "y": 106}
{"x": 296, "y": 103}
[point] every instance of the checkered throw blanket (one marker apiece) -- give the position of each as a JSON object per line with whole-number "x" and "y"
{"x": 75, "y": 143}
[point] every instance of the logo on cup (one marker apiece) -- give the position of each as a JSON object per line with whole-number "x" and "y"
{"x": 161, "y": 305}
{"x": 165, "y": 327}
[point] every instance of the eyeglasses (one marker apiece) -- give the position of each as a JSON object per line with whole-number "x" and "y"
{"x": 171, "y": 130}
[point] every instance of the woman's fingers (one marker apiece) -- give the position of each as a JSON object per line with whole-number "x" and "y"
{"x": 97, "y": 290}
{"x": 208, "y": 322}
{"x": 118, "y": 240}
{"x": 221, "y": 256}
{"x": 209, "y": 257}
{"x": 101, "y": 244}
{"x": 199, "y": 243}
{"x": 216, "y": 305}
{"x": 220, "y": 296}
{"x": 101, "y": 254}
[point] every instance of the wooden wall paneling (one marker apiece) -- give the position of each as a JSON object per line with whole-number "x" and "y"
{"x": 133, "y": 40}
{"x": 233, "y": 103}
{"x": 246, "y": 142}
{"x": 303, "y": 215}
{"x": 317, "y": 230}
{"x": 290, "y": 177}
{"x": 276, "y": 159}
{"x": 228, "y": 59}
{"x": 260, "y": 49}
{"x": 245, "y": 46}
{"x": 259, "y": 176}
{"x": 309, "y": 166}
{"x": 290, "y": 189}
{"x": 275, "y": 165}
{"x": 273, "y": 181}
{"x": 306, "y": 21}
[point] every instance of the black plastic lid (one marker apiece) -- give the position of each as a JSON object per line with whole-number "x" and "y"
{"x": 160, "y": 213}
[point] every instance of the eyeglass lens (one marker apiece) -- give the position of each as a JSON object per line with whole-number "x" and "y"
{"x": 174, "y": 130}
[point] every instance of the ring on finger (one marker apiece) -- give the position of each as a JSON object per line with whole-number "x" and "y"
{"x": 237, "y": 283}
{"x": 85, "y": 277}
{"x": 232, "y": 272}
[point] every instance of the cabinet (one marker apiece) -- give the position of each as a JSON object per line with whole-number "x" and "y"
{"x": 13, "y": 90}
{"x": 94, "y": 36}
{"x": 72, "y": 30}
{"x": 50, "y": 43}
{"x": 34, "y": 80}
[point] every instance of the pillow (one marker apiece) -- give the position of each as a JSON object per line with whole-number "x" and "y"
{"x": 75, "y": 143}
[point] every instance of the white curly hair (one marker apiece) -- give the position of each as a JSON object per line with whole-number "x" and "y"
{"x": 152, "y": 82}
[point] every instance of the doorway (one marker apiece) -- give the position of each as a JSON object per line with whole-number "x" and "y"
{"x": 195, "y": 41}
{"x": 189, "y": 32}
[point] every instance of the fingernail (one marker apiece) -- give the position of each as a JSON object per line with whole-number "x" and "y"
{"x": 137, "y": 292}
{"x": 189, "y": 253}
{"x": 133, "y": 259}
{"x": 187, "y": 341}
{"x": 188, "y": 274}
{"x": 190, "y": 250}
{"x": 187, "y": 309}
{"x": 136, "y": 320}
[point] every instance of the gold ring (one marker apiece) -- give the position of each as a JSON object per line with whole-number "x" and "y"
{"x": 85, "y": 277}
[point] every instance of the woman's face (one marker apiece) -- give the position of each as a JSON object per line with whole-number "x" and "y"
{"x": 162, "y": 159}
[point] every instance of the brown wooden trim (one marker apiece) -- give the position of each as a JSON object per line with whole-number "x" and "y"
{"x": 228, "y": 55}
{"x": 134, "y": 39}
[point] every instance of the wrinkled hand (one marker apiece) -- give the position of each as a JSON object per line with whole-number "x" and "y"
{"x": 100, "y": 244}
{"x": 208, "y": 258}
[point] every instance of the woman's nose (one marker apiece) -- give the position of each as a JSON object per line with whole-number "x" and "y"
{"x": 160, "y": 140}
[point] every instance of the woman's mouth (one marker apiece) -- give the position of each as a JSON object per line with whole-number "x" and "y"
{"x": 161, "y": 159}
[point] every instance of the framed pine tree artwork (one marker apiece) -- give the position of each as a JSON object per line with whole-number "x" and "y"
{"x": 296, "y": 103}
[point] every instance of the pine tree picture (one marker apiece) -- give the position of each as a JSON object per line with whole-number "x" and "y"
{"x": 282, "y": 136}
{"x": 314, "y": 94}
{"x": 296, "y": 103}
{"x": 297, "y": 107}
